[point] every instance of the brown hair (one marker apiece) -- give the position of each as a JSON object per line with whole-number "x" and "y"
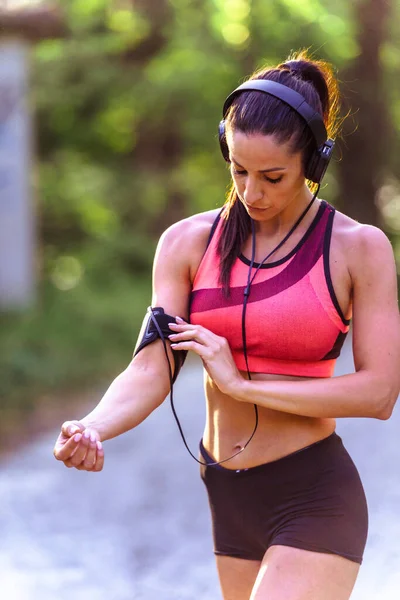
{"x": 252, "y": 112}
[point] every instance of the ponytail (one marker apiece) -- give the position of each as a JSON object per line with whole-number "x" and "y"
{"x": 252, "y": 112}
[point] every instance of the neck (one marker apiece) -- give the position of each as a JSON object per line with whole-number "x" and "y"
{"x": 279, "y": 224}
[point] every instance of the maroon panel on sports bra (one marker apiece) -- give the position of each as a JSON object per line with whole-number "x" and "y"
{"x": 292, "y": 320}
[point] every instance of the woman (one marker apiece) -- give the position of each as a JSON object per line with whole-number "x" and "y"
{"x": 289, "y": 511}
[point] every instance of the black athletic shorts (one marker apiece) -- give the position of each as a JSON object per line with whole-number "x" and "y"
{"x": 311, "y": 499}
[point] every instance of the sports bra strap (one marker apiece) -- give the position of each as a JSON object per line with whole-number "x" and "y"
{"x": 214, "y": 227}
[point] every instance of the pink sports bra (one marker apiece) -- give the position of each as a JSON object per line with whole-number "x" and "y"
{"x": 294, "y": 324}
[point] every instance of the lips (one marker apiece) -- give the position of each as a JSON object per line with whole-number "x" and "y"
{"x": 255, "y": 207}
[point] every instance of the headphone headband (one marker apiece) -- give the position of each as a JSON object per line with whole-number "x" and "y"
{"x": 289, "y": 97}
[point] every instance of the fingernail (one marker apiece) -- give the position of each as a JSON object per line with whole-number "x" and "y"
{"x": 92, "y": 437}
{"x": 99, "y": 446}
{"x": 73, "y": 430}
{"x": 179, "y": 320}
{"x": 86, "y": 434}
{"x": 77, "y": 437}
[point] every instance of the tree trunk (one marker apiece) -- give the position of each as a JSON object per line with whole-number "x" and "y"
{"x": 366, "y": 133}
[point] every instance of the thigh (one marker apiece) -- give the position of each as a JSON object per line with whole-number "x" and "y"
{"x": 296, "y": 574}
{"x": 237, "y": 576}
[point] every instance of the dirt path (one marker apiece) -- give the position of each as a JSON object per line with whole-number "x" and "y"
{"x": 140, "y": 529}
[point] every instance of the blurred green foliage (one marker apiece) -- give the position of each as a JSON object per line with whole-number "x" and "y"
{"x": 127, "y": 108}
{"x": 69, "y": 339}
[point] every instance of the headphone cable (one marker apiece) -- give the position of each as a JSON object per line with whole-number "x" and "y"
{"x": 250, "y": 280}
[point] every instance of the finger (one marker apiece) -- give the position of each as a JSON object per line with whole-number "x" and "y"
{"x": 179, "y": 326}
{"x": 70, "y": 427}
{"x": 199, "y": 334}
{"x": 200, "y": 349}
{"x": 80, "y": 453}
{"x": 100, "y": 457}
{"x": 72, "y": 462}
{"x": 90, "y": 457}
{"x": 67, "y": 450}
{"x": 186, "y": 335}
{"x": 99, "y": 462}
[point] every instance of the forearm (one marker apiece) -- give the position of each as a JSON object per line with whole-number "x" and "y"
{"x": 129, "y": 400}
{"x": 360, "y": 394}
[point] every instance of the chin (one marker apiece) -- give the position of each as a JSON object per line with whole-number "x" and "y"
{"x": 260, "y": 214}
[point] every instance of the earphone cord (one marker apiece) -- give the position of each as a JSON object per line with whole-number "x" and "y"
{"x": 250, "y": 280}
{"x": 171, "y": 395}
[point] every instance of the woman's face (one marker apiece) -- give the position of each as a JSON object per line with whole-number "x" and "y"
{"x": 267, "y": 176}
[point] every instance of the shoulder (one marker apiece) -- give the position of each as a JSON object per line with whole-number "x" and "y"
{"x": 194, "y": 227}
{"x": 365, "y": 247}
{"x": 187, "y": 239}
{"x": 192, "y": 232}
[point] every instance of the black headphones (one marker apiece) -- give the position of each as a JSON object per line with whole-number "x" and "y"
{"x": 318, "y": 163}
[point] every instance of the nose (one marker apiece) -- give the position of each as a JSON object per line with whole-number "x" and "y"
{"x": 252, "y": 193}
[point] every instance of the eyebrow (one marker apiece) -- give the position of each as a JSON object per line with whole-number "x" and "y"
{"x": 263, "y": 170}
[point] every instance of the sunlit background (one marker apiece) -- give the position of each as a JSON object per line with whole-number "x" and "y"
{"x": 108, "y": 134}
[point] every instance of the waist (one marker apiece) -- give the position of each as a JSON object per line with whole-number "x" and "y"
{"x": 229, "y": 425}
{"x": 276, "y": 465}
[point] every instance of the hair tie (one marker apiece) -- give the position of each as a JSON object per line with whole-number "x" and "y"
{"x": 293, "y": 67}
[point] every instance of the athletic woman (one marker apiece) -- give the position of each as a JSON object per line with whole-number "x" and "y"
{"x": 264, "y": 291}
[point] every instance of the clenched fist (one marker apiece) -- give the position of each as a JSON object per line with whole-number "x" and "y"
{"x": 79, "y": 447}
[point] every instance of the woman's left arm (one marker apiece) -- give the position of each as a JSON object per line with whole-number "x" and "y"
{"x": 373, "y": 389}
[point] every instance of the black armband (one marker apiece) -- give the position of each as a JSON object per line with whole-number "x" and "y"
{"x": 150, "y": 334}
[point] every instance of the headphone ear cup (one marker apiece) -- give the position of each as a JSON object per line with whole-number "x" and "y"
{"x": 319, "y": 162}
{"x": 222, "y": 141}
{"x": 311, "y": 168}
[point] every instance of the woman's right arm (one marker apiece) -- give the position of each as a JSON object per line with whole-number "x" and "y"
{"x": 145, "y": 383}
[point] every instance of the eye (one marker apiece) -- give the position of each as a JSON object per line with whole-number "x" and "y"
{"x": 269, "y": 179}
{"x": 236, "y": 172}
{"x": 277, "y": 180}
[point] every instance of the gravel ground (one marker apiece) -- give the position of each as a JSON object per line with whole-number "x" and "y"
{"x": 140, "y": 529}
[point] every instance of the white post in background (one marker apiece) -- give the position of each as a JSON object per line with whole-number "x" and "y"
{"x": 17, "y": 223}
